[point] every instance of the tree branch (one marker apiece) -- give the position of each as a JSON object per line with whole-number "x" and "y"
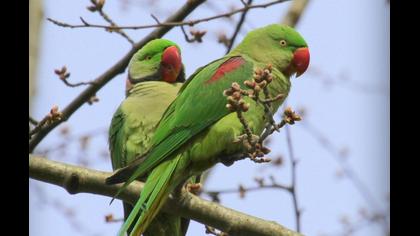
{"x": 167, "y": 23}
{"x": 53, "y": 116}
{"x": 63, "y": 75}
{"x": 112, "y": 23}
{"x": 346, "y": 168}
{"x": 238, "y": 26}
{"x": 293, "y": 162}
{"x": 295, "y": 12}
{"x": 81, "y": 180}
{"x": 249, "y": 189}
{"x": 116, "y": 69}
{"x": 33, "y": 121}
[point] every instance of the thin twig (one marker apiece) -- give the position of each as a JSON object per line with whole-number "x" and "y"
{"x": 271, "y": 100}
{"x": 293, "y": 162}
{"x": 186, "y": 35}
{"x": 350, "y": 228}
{"x": 270, "y": 129}
{"x": 33, "y": 121}
{"x": 66, "y": 82}
{"x": 167, "y": 23}
{"x": 38, "y": 126}
{"x": 63, "y": 74}
{"x": 215, "y": 8}
{"x": 249, "y": 189}
{"x": 117, "y": 68}
{"x": 345, "y": 167}
{"x": 348, "y": 171}
{"x": 98, "y": 6}
{"x": 267, "y": 111}
{"x": 342, "y": 80}
{"x": 213, "y": 231}
{"x": 294, "y": 13}
{"x": 238, "y": 26}
{"x": 119, "y": 31}
{"x": 52, "y": 117}
{"x": 248, "y": 131}
{"x": 155, "y": 18}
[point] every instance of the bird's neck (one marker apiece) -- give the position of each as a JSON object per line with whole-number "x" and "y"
{"x": 147, "y": 87}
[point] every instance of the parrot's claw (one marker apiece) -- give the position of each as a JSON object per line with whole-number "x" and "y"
{"x": 193, "y": 188}
{"x": 229, "y": 160}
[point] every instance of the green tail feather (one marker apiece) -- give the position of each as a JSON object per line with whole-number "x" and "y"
{"x": 151, "y": 160}
{"x": 152, "y": 198}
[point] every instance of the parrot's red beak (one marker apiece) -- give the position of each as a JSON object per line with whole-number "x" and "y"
{"x": 171, "y": 64}
{"x": 300, "y": 60}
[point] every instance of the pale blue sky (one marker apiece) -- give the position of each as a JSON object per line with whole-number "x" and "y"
{"x": 345, "y": 37}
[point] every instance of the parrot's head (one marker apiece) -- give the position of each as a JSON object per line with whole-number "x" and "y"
{"x": 279, "y": 45}
{"x": 158, "y": 60}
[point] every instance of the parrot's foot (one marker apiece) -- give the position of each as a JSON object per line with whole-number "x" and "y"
{"x": 229, "y": 160}
{"x": 193, "y": 188}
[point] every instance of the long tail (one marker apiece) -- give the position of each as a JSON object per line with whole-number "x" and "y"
{"x": 155, "y": 191}
{"x": 127, "y": 210}
{"x": 164, "y": 224}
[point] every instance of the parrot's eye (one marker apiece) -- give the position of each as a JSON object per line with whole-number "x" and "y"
{"x": 283, "y": 43}
{"x": 148, "y": 57}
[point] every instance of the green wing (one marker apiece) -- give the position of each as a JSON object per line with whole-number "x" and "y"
{"x": 117, "y": 139}
{"x": 190, "y": 113}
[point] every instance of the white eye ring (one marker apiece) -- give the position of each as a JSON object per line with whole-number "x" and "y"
{"x": 148, "y": 57}
{"x": 283, "y": 42}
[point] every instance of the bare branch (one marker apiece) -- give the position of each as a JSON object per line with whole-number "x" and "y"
{"x": 346, "y": 168}
{"x": 98, "y": 7}
{"x": 77, "y": 84}
{"x": 77, "y": 180}
{"x": 52, "y": 117}
{"x": 344, "y": 81}
{"x": 167, "y": 23}
{"x": 197, "y": 35}
{"x": 213, "y": 231}
{"x": 238, "y": 26}
{"x": 295, "y": 12}
{"x": 118, "y": 31}
{"x": 64, "y": 75}
{"x": 273, "y": 185}
{"x": 33, "y": 121}
{"x": 116, "y": 69}
{"x": 155, "y": 18}
{"x": 293, "y": 162}
{"x": 186, "y": 35}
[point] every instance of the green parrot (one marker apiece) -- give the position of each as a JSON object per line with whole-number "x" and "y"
{"x": 197, "y": 128}
{"x": 155, "y": 75}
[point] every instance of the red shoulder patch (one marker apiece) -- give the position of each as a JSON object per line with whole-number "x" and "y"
{"x": 227, "y": 66}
